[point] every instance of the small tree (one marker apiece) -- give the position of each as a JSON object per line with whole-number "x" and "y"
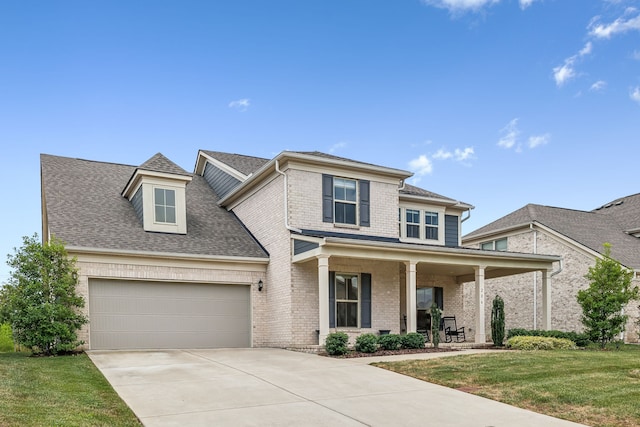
{"x": 40, "y": 300}
{"x": 436, "y": 315}
{"x": 497, "y": 321}
{"x": 609, "y": 292}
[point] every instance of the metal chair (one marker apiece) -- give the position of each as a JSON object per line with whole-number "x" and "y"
{"x": 451, "y": 331}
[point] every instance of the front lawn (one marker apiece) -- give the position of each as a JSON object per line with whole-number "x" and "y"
{"x": 598, "y": 388}
{"x": 58, "y": 391}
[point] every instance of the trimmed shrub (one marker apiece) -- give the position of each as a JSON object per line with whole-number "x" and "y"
{"x": 336, "y": 344}
{"x": 580, "y": 339}
{"x": 436, "y": 316}
{"x": 6, "y": 342}
{"x": 540, "y": 343}
{"x": 497, "y": 321}
{"x": 390, "y": 341}
{"x": 412, "y": 340}
{"x": 367, "y": 343}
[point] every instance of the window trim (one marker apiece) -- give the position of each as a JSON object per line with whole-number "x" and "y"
{"x": 494, "y": 245}
{"x": 423, "y": 210}
{"x": 156, "y": 205}
{"x": 355, "y": 202}
{"x": 358, "y": 302}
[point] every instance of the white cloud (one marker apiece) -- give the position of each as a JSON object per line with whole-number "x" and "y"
{"x": 509, "y": 134}
{"x": 460, "y": 5}
{"x": 598, "y": 86}
{"x": 241, "y": 105}
{"x": 462, "y": 155}
{"x": 538, "y": 140}
{"x": 525, "y": 3}
{"x": 619, "y": 26}
{"x": 635, "y": 94}
{"x": 337, "y": 146}
{"x": 441, "y": 154}
{"x": 565, "y": 72}
{"x": 421, "y": 166}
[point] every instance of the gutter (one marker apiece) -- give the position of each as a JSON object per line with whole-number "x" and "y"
{"x": 286, "y": 199}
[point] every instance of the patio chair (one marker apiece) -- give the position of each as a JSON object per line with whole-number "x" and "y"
{"x": 425, "y": 333}
{"x": 451, "y": 331}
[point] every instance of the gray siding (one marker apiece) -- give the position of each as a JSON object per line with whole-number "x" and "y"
{"x": 137, "y": 204}
{"x": 451, "y": 230}
{"x": 300, "y": 246}
{"x": 220, "y": 181}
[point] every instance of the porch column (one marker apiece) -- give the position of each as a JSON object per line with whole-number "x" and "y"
{"x": 481, "y": 336}
{"x": 323, "y": 297}
{"x": 546, "y": 300}
{"x": 411, "y": 296}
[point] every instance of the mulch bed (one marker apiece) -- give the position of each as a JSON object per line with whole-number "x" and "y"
{"x": 353, "y": 354}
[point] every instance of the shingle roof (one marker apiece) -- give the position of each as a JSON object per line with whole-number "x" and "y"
{"x": 412, "y": 190}
{"x": 159, "y": 163}
{"x": 625, "y": 211}
{"x": 243, "y": 164}
{"x": 591, "y": 229}
{"x": 84, "y": 208}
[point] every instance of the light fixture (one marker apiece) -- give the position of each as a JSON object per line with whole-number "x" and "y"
{"x": 74, "y": 275}
{"x": 260, "y": 285}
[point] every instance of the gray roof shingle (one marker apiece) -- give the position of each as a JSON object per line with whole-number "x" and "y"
{"x": 243, "y": 164}
{"x": 159, "y": 163}
{"x": 85, "y": 208}
{"x": 591, "y": 229}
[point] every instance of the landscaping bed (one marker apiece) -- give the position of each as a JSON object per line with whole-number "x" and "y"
{"x": 382, "y": 352}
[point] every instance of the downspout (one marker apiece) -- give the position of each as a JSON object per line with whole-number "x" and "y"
{"x": 535, "y": 279}
{"x": 468, "y": 216}
{"x": 286, "y": 200}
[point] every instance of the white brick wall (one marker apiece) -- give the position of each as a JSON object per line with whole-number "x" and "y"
{"x": 517, "y": 291}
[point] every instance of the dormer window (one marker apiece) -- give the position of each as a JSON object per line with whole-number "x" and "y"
{"x": 422, "y": 224}
{"x": 165, "y": 205}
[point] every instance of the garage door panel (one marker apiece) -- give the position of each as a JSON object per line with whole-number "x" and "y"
{"x": 130, "y": 314}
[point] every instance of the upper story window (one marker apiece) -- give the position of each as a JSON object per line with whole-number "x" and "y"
{"x": 345, "y": 200}
{"x": 495, "y": 245}
{"x": 165, "y": 205}
{"x": 431, "y": 225}
{"x": 419, "y": 224}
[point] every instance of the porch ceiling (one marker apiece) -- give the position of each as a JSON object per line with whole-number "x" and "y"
{"x": 433, "y": 260}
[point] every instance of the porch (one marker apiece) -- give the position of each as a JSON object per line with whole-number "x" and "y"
{"x": 416, "y": 267}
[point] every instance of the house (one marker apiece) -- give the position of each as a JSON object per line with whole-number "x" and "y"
{"x": 577, "y": 236}
{"x": 252, "y": 252}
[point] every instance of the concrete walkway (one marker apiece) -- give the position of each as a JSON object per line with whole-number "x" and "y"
{"x": 271, "y": 387}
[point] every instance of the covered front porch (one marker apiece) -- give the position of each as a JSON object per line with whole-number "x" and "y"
{"x": 416, "y": 267}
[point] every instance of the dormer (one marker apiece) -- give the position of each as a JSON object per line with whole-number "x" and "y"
{"x": 157, "y": 191}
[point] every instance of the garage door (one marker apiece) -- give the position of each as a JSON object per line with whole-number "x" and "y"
{"x": 141, "y": 315}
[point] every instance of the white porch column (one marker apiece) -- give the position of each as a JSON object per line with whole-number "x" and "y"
{"x": 481, "y": 336}
{"x": 411, "y": 296}
{"x": 546, "y": 300}
{"x": 323, "y": 297}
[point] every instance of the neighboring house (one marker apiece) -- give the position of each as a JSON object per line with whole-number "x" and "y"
{"x": 251, "y": 252}
{"x": 578, "y": 236}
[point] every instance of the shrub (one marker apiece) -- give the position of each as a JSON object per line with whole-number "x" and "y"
{"x": 436, "y": 316}
{"x": 581, "y": 339}
{"x": 540, "y": 343}
{"x": 390, "y": 341}
{"x": 6, "y": 342}
{"x": 413, "y": 340}
{"x": 367, "y": 343}
{"x": 497, "y": 321}
{"x": 336, "y": 343}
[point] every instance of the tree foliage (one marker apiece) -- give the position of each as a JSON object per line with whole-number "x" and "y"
{"x": 497, "y": 321}
{"x": 603, "y": 302}
{"x": 40, "y": 300}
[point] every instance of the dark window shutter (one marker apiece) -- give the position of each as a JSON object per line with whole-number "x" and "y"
{"x": 327, "y": 198}
{"x": 439, "y": 297}
{"x": 365, "y": 300}
{"x": 364, "y": 204}
{"x": 332, "y": 299}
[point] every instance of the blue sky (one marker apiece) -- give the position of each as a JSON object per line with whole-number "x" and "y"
{"x": 497, "y": 103}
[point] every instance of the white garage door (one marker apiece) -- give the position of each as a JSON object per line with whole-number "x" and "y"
{"x": 148, "y": 315}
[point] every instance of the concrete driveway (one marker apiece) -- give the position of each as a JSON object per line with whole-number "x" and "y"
{"x": 271, "y": 387}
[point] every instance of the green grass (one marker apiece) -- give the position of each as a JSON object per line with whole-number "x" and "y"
{"x": 58, "y": 391}
{"x": 598, "y": 388}
{"x": 6, "y": 343}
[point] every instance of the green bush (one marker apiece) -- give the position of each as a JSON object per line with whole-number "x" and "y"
{"x": 413, "y": 340}
{"x": 581, "y": 339}
{"x": 539, "y": 343}
{"x": 336, "y": 343}
{"x": 367, "y": 343}
{"x": 390, "y": 341}
{"x": 6, "y": 341}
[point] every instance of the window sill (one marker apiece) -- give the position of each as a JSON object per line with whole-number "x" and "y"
{"x": 347, "y": 226}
